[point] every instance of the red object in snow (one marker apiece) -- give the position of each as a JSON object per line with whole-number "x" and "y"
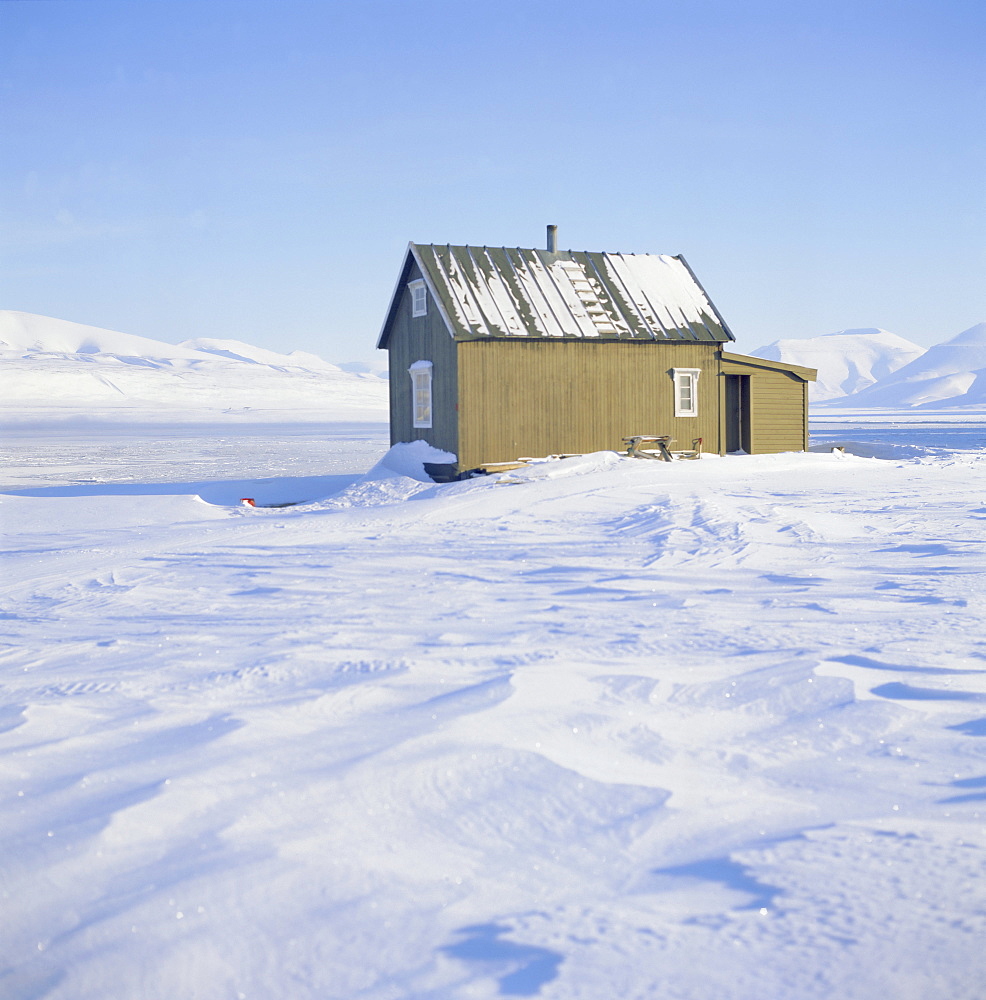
{"x": 247, "y": 502}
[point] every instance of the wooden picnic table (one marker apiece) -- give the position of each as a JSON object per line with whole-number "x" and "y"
{"x": 645, "y": 445}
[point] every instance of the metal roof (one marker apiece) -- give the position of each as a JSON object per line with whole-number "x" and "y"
{"x": 802, "y": 372}
{"x": 502, "y": 292}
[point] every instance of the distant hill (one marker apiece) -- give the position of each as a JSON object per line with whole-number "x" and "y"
{"x": 378, "y": 368}
{"x": 30, "y": 334}
{"x": 236, "y": 350}
{"x": 950, "y": 374}
{"x": 847, "y": 361}
{"x": 56, "y": 369}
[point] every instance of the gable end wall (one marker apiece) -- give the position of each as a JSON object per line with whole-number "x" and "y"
{"x": 422, "y": 338}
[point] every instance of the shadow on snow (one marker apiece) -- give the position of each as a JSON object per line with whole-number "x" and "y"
{"x": 531, "y": 966}
{"x": 286, "y": 489}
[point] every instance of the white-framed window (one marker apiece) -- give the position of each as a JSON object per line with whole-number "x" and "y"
{"x": 419, "y": 298}
{"x": 420, "y": 373}
{"x": 686, "y": 391}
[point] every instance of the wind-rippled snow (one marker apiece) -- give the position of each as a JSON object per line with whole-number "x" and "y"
{"x": 596, "y": 728}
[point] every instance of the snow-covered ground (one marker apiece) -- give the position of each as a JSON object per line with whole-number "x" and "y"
{"x": 598, "y": 728}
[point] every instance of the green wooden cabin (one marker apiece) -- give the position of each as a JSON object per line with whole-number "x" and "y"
{"x": 497, "y": 354}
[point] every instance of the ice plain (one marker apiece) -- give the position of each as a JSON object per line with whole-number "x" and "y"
{"x": 598, "y": 728}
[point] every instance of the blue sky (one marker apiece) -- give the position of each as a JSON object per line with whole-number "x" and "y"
{"x": 255, "y": 170}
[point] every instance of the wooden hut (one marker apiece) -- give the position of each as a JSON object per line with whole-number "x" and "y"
{"x": 497, "y": 354}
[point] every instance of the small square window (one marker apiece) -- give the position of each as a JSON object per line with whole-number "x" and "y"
{"x": 686, "y": 391}
{"x": 419, "y": 298}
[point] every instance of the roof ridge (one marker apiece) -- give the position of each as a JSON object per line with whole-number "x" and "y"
{"x": 605, "y": 253}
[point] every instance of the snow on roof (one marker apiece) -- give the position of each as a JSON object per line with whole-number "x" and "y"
{"x": 504, "y": 292}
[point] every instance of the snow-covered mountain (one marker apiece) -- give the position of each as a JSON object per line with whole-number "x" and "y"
{"x": 949, "y": 374}
{"x": 873, "y": 367}
{"x": 848, "y": 361}
{"x": 55, "y": 368}
{"x": 236, "y": 350}
{"x": 378, "y": 368}
{"x": 27, "y": 334}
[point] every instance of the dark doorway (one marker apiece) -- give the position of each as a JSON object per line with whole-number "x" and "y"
{"x": 738, "y": 413}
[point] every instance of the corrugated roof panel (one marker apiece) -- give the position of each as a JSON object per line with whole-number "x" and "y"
{"x": 651, "y": 308}
{"x": 562, "y": 323}
{"x": 594, "y": 298}
{"x": 620, "y": 303}
{"x": 614, "y": 306}
{"x": 565, "y": 272}
{"x": 713, "y": 320}
{"x": 496, "y": 271}
{"x": 459, "y": 286}
{"x": 546, "y": 322}
{"x": 714, "y": 328}
{"x": 430, "y": 261}
{"x": 479, "y": 290}
{"x": 529, "y": 321}
{"x": 671, "y": 289}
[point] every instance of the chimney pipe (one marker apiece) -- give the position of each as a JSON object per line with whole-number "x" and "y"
{"x": 552, "y": 239}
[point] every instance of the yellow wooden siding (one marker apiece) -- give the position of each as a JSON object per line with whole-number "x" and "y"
{"x": 535, "y": 397}
{"x": 778, "y": 412}
{"x": 422, "y": 338}
{"x": 778, "y": 406}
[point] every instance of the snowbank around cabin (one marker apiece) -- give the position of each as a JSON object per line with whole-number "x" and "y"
{"x": 408, "y": 459}
{"x": 576, "y": 465}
